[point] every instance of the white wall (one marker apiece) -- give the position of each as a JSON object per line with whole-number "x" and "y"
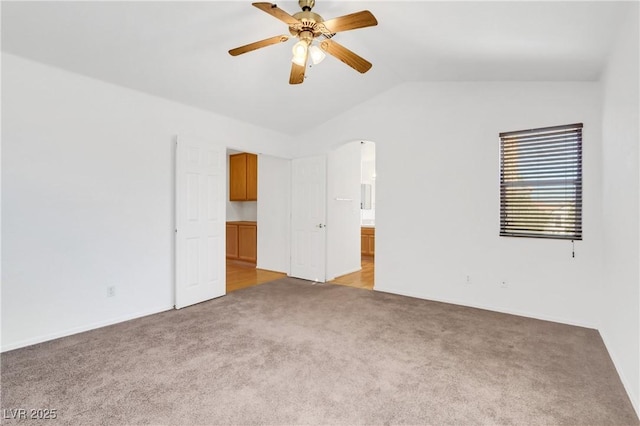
{"x": 620, "y": 299}
{"x": 87, "y": 191}
{"x": 437, "y": 215}
{"x": 343, "y": 216}
{"x": 274, "y": 213}
{"x": 241, "y": 210}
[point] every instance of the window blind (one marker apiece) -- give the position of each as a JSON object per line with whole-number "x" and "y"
{"x": 541, "y": 183}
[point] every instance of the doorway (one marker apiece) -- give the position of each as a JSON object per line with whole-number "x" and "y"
{"x": 325, "y": 228}
{"x": 254, "y": 241}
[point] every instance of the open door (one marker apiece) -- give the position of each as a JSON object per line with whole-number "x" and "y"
{"x": 200, "y": 221}
{"x": 343, "y": 210}
{"x": 308, "y": 218}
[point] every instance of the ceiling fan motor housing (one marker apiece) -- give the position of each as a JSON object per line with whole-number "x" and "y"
{"x": 309, "y": 23}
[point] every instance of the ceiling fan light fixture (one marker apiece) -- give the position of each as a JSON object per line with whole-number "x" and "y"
{"x": 317, "y": 55}
{"x": 300, "y": 49}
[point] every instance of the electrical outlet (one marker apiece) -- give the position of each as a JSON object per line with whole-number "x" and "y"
{"x": 504, "y": 284}
{"x": 111, "y": 291}
{"x": 468, "y": 282}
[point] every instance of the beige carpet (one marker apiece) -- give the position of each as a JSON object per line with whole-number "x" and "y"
{"x": 288, "y": 352}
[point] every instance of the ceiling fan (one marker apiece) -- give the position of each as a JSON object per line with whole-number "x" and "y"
{"x": 308, "y": 26}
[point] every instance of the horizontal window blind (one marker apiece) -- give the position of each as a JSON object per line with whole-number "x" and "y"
{"x": 541, "y": 183}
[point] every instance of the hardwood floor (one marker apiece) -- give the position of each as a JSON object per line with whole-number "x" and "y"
{"x": 243, "y": 274}
{"x": 359, "y": 279}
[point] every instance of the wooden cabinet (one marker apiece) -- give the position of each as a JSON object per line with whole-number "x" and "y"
{"x": 247, "y": 242}
{"x": 367, "y": 241}
{"x": 232, "y": 241}
{"x": 243, "y": 177}
{"x": 252, "y": 177}
{"x": 242, "y": 241}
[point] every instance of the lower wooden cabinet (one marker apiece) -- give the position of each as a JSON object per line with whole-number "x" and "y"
{"x": 232, "y": 241}
{"x": 367, "y": 241}
{"x": 242, "y": 241}
{"x": 248, "y": 243}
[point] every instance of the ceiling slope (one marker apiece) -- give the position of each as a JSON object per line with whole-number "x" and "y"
{"x": 179, "y": 50}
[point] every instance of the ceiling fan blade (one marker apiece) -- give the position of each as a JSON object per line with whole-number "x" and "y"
{"x": 356, "y": 62}
{"x": 276, "y": 12}
{"x": 350, "y": 22}
{"x": 297, "y": 74}
{"x": 258, "y": 44}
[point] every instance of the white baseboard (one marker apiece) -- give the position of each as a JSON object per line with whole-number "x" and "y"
{"x": 76, "y": 330}
{"x": 635, "y": 399}
{"x": 489, "y": 308}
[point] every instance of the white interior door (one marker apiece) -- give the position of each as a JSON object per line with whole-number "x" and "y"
{"x": 343, "y": 210}
{"x": 200, "y": 221}
{"x": 308, "y": 218}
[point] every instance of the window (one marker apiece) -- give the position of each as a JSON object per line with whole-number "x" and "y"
{"x": 541, "y": 183}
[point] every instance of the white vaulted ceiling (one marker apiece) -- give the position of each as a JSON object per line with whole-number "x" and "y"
{"x": 178, "y": 50}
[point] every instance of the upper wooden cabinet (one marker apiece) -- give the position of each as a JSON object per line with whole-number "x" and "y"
{"x": 252, "y": 177}
{"x": 243, "y": 177}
